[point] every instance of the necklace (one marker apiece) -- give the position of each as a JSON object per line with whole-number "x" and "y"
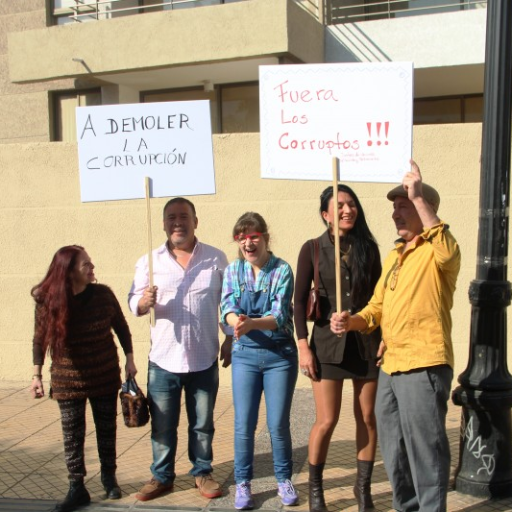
{"x": 344, "y": 242}
{"x": 345, "y": 254}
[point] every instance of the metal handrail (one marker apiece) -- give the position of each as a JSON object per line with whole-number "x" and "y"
{"x": 337, "y": 11}
{"x": 93, "y": 9}
{"x": 326, "y": 11}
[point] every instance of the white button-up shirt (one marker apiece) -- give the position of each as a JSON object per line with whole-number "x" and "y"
{"x": 186, "y": 333}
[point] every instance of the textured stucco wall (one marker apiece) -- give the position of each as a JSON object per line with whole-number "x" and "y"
{"x": 189, "y": 36}
{"x": 41, "y": 211}
{"x": 25, "y": 108}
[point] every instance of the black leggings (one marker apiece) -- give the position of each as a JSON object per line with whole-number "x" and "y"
{"x": 72, "y": 412}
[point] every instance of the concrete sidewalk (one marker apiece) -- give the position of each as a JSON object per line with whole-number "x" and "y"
{"x": 33, "y": 474}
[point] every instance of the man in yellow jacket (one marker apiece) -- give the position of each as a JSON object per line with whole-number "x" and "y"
{"x": 411, "y": 303}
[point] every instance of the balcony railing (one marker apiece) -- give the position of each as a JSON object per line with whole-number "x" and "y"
{"x": 79, "y": 11}
{"x": 346, "y": 11}
{"x": 330, "y": 12}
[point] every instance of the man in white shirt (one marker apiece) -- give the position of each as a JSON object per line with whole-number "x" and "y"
{"x": 184, "y": 346}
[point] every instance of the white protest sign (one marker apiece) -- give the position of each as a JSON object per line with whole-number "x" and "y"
{"x": 360, "y": 113}
{"x": 119, "y": 145}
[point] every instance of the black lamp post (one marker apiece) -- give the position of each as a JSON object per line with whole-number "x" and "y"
{"x": 485, "y": 391}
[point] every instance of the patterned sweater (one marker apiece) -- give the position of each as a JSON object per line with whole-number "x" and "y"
{"x": 89, "y": 364}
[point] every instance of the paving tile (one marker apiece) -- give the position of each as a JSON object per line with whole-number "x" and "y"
{"x": 25, "y": 505}
{"x": 33, "y": 474}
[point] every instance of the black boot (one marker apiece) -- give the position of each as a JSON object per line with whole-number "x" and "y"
{"x": 316, "y": 490}
{"x": 362, "y": 489}
{"x": 111, "y": 486}
{"x": 76, "y": 497}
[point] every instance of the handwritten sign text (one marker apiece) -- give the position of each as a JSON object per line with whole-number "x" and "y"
{"x": 118, "y": 145}
{"x": 360, "y": 113}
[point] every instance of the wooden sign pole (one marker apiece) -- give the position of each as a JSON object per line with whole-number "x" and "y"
{"x": 335, "y": 232}
{"x": 150, "y": 248}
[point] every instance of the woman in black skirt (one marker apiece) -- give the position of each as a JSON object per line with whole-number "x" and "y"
{"x": 329, "y": 360}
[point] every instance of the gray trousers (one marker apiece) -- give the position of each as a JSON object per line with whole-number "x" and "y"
{"x": 411, "y": 412}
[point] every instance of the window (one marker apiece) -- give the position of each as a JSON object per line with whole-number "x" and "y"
{"x": 454, "y": 109}
{"x": 234, "y": 107}
{"x": 240, "y": 105}
{"x": 187, "y": 95}
{"x": 65, "y": 103}
{"x": 474, "y": 109}
{"x": 65, "y": 10}
{"x": 69, "y": 11}
{"x": 169, "y": 5}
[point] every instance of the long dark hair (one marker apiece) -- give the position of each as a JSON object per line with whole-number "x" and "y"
{"x": 53, "y": 296}
{"x": 366, "y": 266}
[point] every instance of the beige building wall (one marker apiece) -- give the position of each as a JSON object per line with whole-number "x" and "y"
{"x": 24, "y": 106}
{"x": 166, "y": 49}
{"x": 25, "y": 109}
{"x": 243, "y": 30}
{"x": 41, "y": 211}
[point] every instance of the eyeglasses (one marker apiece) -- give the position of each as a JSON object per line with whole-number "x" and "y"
{"x": 252, "y": 237}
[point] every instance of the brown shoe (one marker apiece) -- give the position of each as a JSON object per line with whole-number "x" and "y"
{"x": 152, "y": 490}
{"x": 208, "y": 487}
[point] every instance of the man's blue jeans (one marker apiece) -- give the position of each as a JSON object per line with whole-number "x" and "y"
{"x": 164, "y": 394}
{"x": 256, "y": 371}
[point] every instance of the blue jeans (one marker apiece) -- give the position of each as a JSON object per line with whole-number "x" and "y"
{"x": 411, "y": 412}
{"x": 256, "y": 371}
{"x": 164, "y": 394}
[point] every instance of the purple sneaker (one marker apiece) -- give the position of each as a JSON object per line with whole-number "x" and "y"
{"x": 243, "y": 496}
{"x": 287, "y": 493}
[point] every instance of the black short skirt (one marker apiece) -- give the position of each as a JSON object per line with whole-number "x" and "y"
{"x": 353, "y": 365}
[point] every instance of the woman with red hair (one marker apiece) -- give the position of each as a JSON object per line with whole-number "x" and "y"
{"x": 74, "y": 319}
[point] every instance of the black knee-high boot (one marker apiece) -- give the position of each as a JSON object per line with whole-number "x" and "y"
{"x": 76, "y": 497}
{"x": 109, "y": 481}
{"x": 316, "y": 490}
{"x": 362, "y": 489}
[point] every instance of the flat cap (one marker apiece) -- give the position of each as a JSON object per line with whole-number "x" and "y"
{"x": 429, "y": 193}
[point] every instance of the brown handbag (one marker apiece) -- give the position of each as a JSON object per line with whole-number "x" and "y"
{"x": 133, "y": 404}
{"x": 313, "y": 303}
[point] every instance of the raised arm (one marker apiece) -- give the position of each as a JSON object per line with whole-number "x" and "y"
{"x": 412, "y": 183}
